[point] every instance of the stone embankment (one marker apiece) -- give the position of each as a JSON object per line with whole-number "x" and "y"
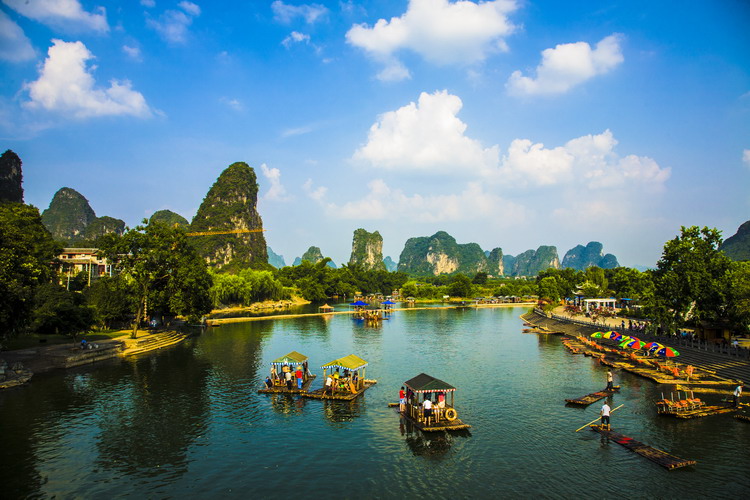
{"x": 728, "y": 364}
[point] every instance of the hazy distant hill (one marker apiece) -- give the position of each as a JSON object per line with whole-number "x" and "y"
{"x": 531, "y": 262}
{"x": 580, "y": 257}
{"x": 71, "y": 220}
{"x": 389, "y": 264}
{"x": 737, "y": 247}
{"x": 367, "y": 250}
{"x": 11, "y": 177}
{"x": 275, "y": 259}
{"x": 441, "y": 254}
{"x": 170, "y": 218}
{"x": 231, "y": 204}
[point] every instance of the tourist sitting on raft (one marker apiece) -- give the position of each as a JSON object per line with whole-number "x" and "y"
{"x": 294, "y": 371}
{"x": 426, "y": 400}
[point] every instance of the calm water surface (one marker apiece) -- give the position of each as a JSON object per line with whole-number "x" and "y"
{"x": 188, "y": 421}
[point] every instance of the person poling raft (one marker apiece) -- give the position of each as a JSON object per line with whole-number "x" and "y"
{"x": 425, "y": 404}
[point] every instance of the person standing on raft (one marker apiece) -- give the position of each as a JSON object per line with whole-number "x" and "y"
{"x": 604, "y": 412}
{"x": 610, "y": 381}
{"x": 401, "y": 400}
{"x": 737, "y": 394}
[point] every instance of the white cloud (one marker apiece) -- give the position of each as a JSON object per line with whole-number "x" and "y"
{"x": 746, "y": 157}
{"x": 234, "y": 104}
{"x": 317, "y": 194}
{"x": 132, "y": 52}
{"x": 66, "y": 85}
{"x": 382, "y": 202}
{"x": 173, "y": 25}
{"x": 440, "y": 31}
{"x": 568, "y": 65}
{"x": 277, "y": 191}
{"x": 426, "y": 136}
{"x": 291, "y": 132}
{"x": 66, "y": 14}
{"x": 14, "y": 45}
{"x": 148, "y": 3}
{"x": 285, "y": 13}
{"x": 295, "y": 37}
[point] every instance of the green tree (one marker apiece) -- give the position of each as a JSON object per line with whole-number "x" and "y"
{"x": 112, "y": 300}
{"x": 739, "y": 309}
{"x": 692, "y": 280}
{"x": 165, "y": 270}
{"x": 59, "y": 311}
{"x": 548, "y": 289}
{"x": 460, "y": 286}
{"x": 480, "y": 278}
{"x": 27, "y": 260}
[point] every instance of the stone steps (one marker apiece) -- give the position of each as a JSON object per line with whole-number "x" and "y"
{"x": 154, "y": 342}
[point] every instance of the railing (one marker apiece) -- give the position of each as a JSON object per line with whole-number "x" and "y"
{"x": 673, "y": 340}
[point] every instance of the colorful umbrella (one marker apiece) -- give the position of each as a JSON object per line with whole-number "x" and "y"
{"x": 597, "y": 335}
{"x": 614, "y": 336}
{"x": 667, "y": 352}
{"x": 651, "y": 346}
{"x": 633, "y": 344}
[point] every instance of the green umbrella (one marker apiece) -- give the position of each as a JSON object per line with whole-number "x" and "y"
{"x": 597, "y": 335}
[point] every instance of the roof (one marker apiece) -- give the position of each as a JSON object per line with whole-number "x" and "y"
{"x": 289, "y": 359}
{"x": 350, "y": 362}
{"x": 427, "y": 383}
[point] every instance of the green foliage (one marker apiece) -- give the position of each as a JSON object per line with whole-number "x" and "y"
{"x": 548, "y": 289}
{"x": 59, "y": 311}
{"x": 630, "y": 283}
{"x": 165, "y": 270}
{"x": 480, "y": 278}
{"x": 27, "y": 257}
{"x": 113, "y": 300}
{"x": 169, "y": 218}
{"x": 366, "y": 245}
{"x": 245, "y": 288}
{"x": 567, "y": 280}
{"x": 460, "y": 286}
{"x": 739, "y": 307}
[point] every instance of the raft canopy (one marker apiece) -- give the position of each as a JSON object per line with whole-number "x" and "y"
{"x": 427, "y": 383}
{"x": 350, "y": 362}
{"x": 290, "y": 359}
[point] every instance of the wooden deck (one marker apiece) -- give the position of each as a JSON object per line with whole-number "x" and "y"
{"x": 339, "y": 395}
{"x": 655, "y": 455}
{"x": 592, "y": 398}
{"x": 703, "y": 411}
{"x": 444, "y": 425}
{"x": 281, "y": 389}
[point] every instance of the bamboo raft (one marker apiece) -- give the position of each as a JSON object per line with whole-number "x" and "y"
{"x": 655, "y": 455}
{"x": 705, "y": 411}
{"x": 339, "y": 395}
{"x": 741, "y": 416}
{"x": 593, "y": 397}
{"x": 281, "y": 389}
{"x": 443, "y": 425}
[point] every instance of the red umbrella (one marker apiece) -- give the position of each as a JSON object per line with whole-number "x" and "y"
{"x": 667, "y": 352}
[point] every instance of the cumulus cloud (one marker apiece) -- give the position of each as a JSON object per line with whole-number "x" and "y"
{"x": 173, "y": 25}
{"x": 277, "y": 192}
{"x": 148, "y": 3}
{"x": 568, "y": 65}
{"x": 746, "y": 157}
{"x": 440, "y": 31}
{"x": 285, "y": 13}
{"x": 66, "y": 85}
{"x": 295, "y": 37}
{"x": 316, "y": 193}
{"x": 14, "y": 44}
{"x": 425, "y": 136}
{"x": 66, "y": 14}
{"x": 133, "y": 53}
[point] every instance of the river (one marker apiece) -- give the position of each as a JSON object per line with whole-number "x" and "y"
{"x": 188, "y": 422}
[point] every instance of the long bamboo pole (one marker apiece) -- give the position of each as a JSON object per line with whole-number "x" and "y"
{"x": 597, "y": 418}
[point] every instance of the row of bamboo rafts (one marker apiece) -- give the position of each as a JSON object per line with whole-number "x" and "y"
{"x": 655, "y": 455}
{"x": 688, "y": 407}
{"x": 279, "y": 386}
{"x": 347, "y": 393}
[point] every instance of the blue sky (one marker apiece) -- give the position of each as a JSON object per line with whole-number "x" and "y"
{"x": 510, "y": 124}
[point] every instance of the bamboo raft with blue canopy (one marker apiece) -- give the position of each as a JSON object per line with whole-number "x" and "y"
{"x": 279, "y": 368}
{"x": 655, "y": 455}
{"x": 348, "y": 380}
{"x": 442, "y": 416}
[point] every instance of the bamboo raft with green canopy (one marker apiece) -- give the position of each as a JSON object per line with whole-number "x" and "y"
{"x": 292, "y": 363}
{"x": 439, "y": 415}
{"x": 344, "y": 379}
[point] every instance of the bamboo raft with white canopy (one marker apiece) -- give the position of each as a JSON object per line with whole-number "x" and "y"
{"x": 443, "y": 416}
{"x": 279, "y": 367}
{"x": 348, "y": 379}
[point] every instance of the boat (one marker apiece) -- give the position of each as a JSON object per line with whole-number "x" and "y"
{"x": 655, "y": 455}
{"x": 348, "y": 374}
{"x": 444, "y": 416}
{"x": 593, "y": 397}
{"x": 279, "y": 366}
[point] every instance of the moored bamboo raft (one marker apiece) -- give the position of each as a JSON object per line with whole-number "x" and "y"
{"x": 281, "y": 389}
{"x": 593, "y": 397}
{"x": 742, "y": 416}
{"x": 703, "y": 412}
{"x": 343, "y": 396}
{"x": 655, "y": 455}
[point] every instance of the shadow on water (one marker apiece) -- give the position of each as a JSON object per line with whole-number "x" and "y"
{"x": 287, "y": 404}
{"x": 338, "y": 413}
{"x": 431, "y": 445}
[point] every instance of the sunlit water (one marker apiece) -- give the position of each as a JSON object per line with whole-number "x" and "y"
{"x": 189, "y": 422}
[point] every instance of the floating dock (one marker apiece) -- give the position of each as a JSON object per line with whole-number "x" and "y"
{"x": 655, "y": 455}
{"x": 340, "y": 395}
{"x": 281, "y": 389}
{"x": 592, "y": 398}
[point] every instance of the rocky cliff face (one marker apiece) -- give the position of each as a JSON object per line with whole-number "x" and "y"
{"x": 367, "y": 250}
{"x": 390, "y": 266}
{"x": 71, "y": 219}
{"x": 531, "y": 262}
{"x": 314, "y": 255}
{"x": 231, "y": 204}
{"x": 440, "y": 254}
{"x": 275, "y": 259}
{"x": 495, "y": 262}
{"x": 11, "y": 177}
{"x": 581, "y": 257}
{"x": 170, "y": 218}
{"x": 737, "y": 247}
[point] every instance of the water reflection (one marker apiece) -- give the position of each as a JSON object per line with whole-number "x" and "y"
{"x": 287, "y": 404}
{"x": 431, "y": 445}
{"x": 338, "y": 413}
{"x": 150, "y": 424}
